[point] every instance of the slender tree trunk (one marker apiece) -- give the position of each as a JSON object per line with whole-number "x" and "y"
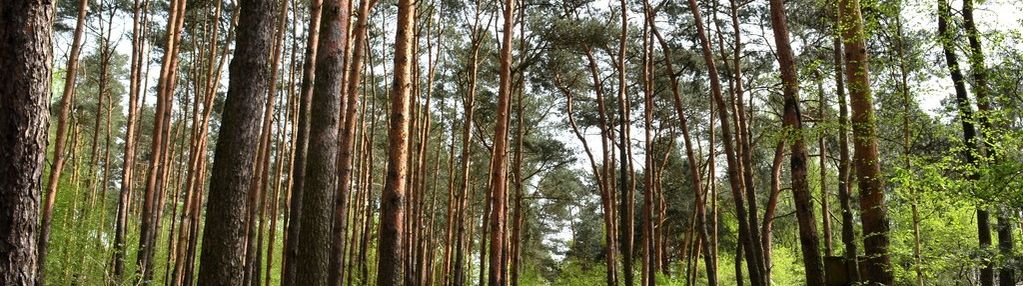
{"x": 449, "y": 241}
{"x": 161, "y": 128}
{"x": 109, "y": 130}
{"x": 822, "y": 155}
{"x": 701, "y": 224}
{"x": 179, "y": 229}
{"x": 649, "y": 167}
{"x": 499, "y": 168}
{"x": 358, "y": 216}
{"x": 367, "y": 223}
{"x": 967, "y": 117}
{"x": 348, "y": 136}
{"x": 283, "y": 154}
{"x": 985, "y": 112}
{"x": 127, "y": 174}
{"x": 906, "y": 147}
{"x": 58, "y": 150}
{"x": 626, "y": 193}
{"x": 767, "y": 227}
{"x": 25, "y": 54}
{"x": 105, "y": 53}
{"x": 602, "y": 184}
{"x": 184, "y": 267}
{"x": 519, "y": 216}
{"x": 844, "y": 192}
{"x": 469, "y": 102}
{"x": 793, "y": 122}
{"x": 745, "y": 151}
{"x": 392, "y": 214}
{"x": 607, "y": 192}
{"x": 873, "y": 212}
{"x": 487, "y": 212}
{"x": 755, "y": 273}
{"x": 302, "y": 145}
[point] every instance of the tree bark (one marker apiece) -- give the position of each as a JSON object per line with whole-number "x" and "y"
{"x": 25, "y": 54}
{"x": 318, "y": 200}
{"x": 392, "y": 201}
{"x": 793, "y": 123}
{"x": 58, "y": 142}
{"x": 348, "y": 136}
{"x": 223, "y": 239}
{"x": 754, "y": 269}
{"x": 985, "y": 112}
{"x": 967, "y": 117}
{"x": 844, "y": 192}
{"x": 499, "y": 168}
{"x": 701, "y": 224}
{"x": 301, "y": 147}
{"x": 259, "y": 189}
{"x": 127, "y": 174}
{"x": 873, "y": 212}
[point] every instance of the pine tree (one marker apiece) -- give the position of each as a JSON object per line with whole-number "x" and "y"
{"x": 232, "y": 173}
{"x": 25, "y": 37}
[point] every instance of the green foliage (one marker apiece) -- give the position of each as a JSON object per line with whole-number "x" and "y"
{"x": 575, "y": 273}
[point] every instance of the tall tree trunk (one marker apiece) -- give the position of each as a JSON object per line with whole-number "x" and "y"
{"x": 822, "y": 156}
{"x": 258, "y": 191}
{"x": 127, "y": 174}
{"x": 449, "y": 242}
{"x": 793, "y": 123}
{"x": 744, "y": 151}
{"x": 25, "y": 53}
{"x": 392, "y": 201}
{"x": 649, "y": 168}
{"x": 755, "y": 269}
{"x": 161, "y": 130}
{"x": 301, "y": 146}
{"x": 598, "y": 172}
{"x": 873, "y": 212}
{"x": 906, "y": 145}
{"x": 605, "y": 177}
{"x": 518, "y": 218}
{"x": 283, "y": 155}
{"x": 967, "y": 117}
{"x": 844, "y": 190}
{"x": 367, "y": 222}
{"x": 627, "y": 195}
{"x": 499, "y": 168}
{"x": 224, "y": 239}
{"x": 767, "y": 227}
{"x": 197, "y": 177}
{"x": 318, "y": 199}
{"x": 108, "y": 53}
{"x": 700, "y": 221}
{"x": 348, "y": 136}
{"x": 469, "y": 108}
{"x": 105, "y": 53}
{"x": 58, "y": 142}
{"x": 985, "y": 112}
